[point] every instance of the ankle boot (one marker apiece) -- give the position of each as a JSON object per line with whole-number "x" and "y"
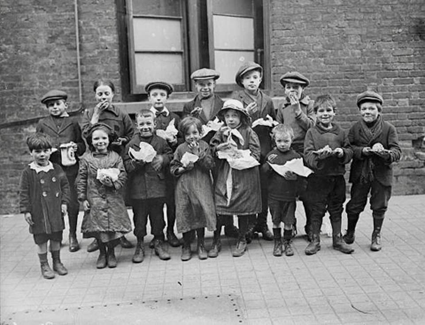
{"x": 172, "y": 239}
{"x": 277, "y": 249}
{"x": 308, "y": 232}
{"x": 46, "y": 271}
{"x": 314, "y": 245}
{"x": 216, "y": 244}
{"x": 287, "y": 240}
{"x": 160, "y": 251}
{"x": 112, "y": 260}
{"x": 376, "y": 234}
{"x": 186, "y": 250}
{"x": 352, "y": 219}
{"x": 240, "y": 248}
{"x": 202, "y": 253}
{"x": 340, "y": 245}
{"x": 73, "y": 243}
{"x": 125, "y": 243}
{"x": 57, "y": 264}
{"x": 101, "y": 260}
{"x": 93, "y": 246}
{"x": 139, "y": 253}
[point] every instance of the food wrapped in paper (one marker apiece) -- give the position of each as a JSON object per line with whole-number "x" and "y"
{"x": 169, "y": 133}
{"x": 188, "y": 158}
{"x": 238, "y": 159}
{"x": 267, "y": 121}
{"x": 295, "y": 165}
{"x": 213, "y": 125}
{"x": 112, "y": 173}
{"x": 146, "y": 153}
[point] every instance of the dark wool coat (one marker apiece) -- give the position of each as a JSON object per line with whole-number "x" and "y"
{"x": 108, "y": 212}
{"x": 317, "y": 138}
{"x": 143, "y": 181}
{"x": 42, "y": 194}
{"x": 196, "y": 102}
{"x": 382, "y": 170}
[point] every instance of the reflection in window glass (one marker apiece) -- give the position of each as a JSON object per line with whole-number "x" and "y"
{"x": 233, "y": 33}
{"x": 228, "y": 63}
{"x": 156, "y": 66}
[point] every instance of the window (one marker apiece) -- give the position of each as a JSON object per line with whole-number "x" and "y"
{"x": 169, "y": 39}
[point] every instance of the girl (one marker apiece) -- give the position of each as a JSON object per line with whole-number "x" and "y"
{"x": 237, "y": 192}
{"x": 194, "y": 194}
{"x": 105, "y": 214}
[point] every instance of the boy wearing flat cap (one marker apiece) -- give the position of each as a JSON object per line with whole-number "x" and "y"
{"x": 297, "y": 112}
{"x": 259, "y": 106}
{"x": 66, "y": 137}
{"x": 375, "y": 146}
{"x": 158, "y": 93}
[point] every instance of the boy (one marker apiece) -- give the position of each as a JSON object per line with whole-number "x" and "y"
{"x": 158, "y": 93}
{"x": 258, "y": 105}
{"x": 297, "y": 112}
{"x": 375, "y": 146}
{"x": 147, "y": 185}
{"x": 64, "y": 130}
{"x": 44, "y": 196}
{"x": 326, "y": 151}
{"x": 282, "y": 189}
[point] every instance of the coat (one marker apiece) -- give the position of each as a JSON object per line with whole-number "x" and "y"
{"x": 245, "y": 198}
{"x": 196, "y": 102}
{"x": 108, "y": 212}
{"x": 42, "y": 194}
{"x": 143, "y": 181}
{"x": 382, "y": 169}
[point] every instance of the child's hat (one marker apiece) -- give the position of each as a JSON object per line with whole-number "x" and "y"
{"x": 233, "y": 104}
{"x": 369, "y": 96}
{"x": 247, "y": 67}
{"x": 204, "y": 74}
{"x": 53, "y": 95}
{"x": 161, "y": 85}
{"x": 294, "y": 77}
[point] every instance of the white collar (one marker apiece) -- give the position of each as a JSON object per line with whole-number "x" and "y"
{"x": 165, "y": 109}
{"x": 38, "y": 168}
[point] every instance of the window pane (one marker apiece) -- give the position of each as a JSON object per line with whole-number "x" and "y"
{"x": 152, "y": 34}
{"x": 157, "y": 7}
{"x": 151, "y": 67}
{"x": 228, "y": 63}
{"x": 233, "y": 7}
{"x": 233, "y": 33}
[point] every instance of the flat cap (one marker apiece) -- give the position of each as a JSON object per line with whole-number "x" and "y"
{"x": 247, "y": 67}
{"x": 294, "y": 77}
{"x": 204, "y": 74}
{"x": 161, "y": 85}
{"x": 369, "y": 96}
{"x": 53, "y": 95}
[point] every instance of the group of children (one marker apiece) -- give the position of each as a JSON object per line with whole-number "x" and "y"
{"x": 222, "y": 159}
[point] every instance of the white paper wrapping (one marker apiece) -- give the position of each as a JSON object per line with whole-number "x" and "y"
{"x": 295, "y": 165}
{"x": 238, "y": 159}
{"x": 169, "y": 133}
{"x": 146, "y": 153}
{"x": 112, "y": 173}
{"x": 188, "y": 158}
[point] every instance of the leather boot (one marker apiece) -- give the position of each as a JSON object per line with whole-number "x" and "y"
{"x": 139, "y": 253}
{"x": 265, "y": 232}
{"x": 314, "y": 245}
{"x": 46, "y": 271}
{"x": 216, "y": 244}
{"x": 186, "y": 251}
{"x": 202, "y": 253}
{"x": 376, "y": 234}
{"x": 340, "y": 245}
{"x": 308, "y": 232}
{"x": 101, "y": 260}
{"x": 57, "y": 264}
{"x": 240, "y": 248}
{"x": 160, "y": 251}
{"x": 112, "y": 260}
{"x": 73, "y": 243}
{"x": 287, "y": 241}
{"x": 277, "y": 249}
{"x": 172, "y": 239}
{"x": 125, "y": 243}
{"x": 93, "y": 246}
{"x": 350, "y": 237}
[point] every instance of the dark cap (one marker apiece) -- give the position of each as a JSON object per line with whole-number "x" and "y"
{"x": 53, "y": 95}
{"x": 369, "y": 96}
{"x": 161, "y": 85}
{"x": 247, "y": 67}
{"x": 204, "y": 74}
{"x": 294, "y": 77}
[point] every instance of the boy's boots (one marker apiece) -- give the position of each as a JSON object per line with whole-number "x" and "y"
{"x": 160, "y": 250}
{"x": 202, "y": 253}
{"x": 172, "y": 238}
{"x": 46, "y": 271}
{"x": 186, "y": 252}
{"x": 139, "y": 253}
{"x": 112, "y": 260}
{"x": 314, "y": 246}
{"x": 376, "y": 234}
{"x": 277, "y": 249}
{"x": 337, "y": 241}
{"x": 352, "y": 219}
{"x": 125, "y": 243}
{"x": 101, "y": 260}
{"x": 216, "y": 244}
{"x": 73, "y": 243}
{"x": 287, "y": 239}
{"x": 93, "y": 246}
{"x": 241, "y": 246}
{"x": 57, "y": 264}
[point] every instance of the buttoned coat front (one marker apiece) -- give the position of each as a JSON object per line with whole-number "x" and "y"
{"x": 196, "y": 102}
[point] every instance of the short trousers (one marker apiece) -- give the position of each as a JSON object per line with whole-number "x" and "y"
{"x": 282, "y": 211}
{"x": 43, "y": 238}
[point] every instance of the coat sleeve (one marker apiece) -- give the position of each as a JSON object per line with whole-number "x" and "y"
{"x": 24, "y": 192}
{"x": 279, "y": 115}
{"x": 393, "y": 146}
{"x": 167, "y": 155}
{"x": 207, "y": 160}
{"x": 81, "y": 145}
{"x": 270, "y": 109}
{"x": 129, "y": 164}
{"x": 82, "y": 180}
{"x": 39, "y": 127}
{"x": 175, "y": 163}
{"x": 348, "y": 152}
{"x": 254, "y": 145}
{"x": 122, "y": 177}
{"x": 215, "y": 141}
{"x": 357, "y": 150}
{"x": 307, "y": 120}
{"x": 128, "y": 127}
{"x": 66, "y": 190}
{"x": 310, "y": 157}
{"x": 85, "y": 122}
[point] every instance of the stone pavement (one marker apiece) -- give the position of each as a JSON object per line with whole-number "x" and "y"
{"x": 386, "y": 287}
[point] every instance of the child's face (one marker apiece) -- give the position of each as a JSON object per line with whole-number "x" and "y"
{"x": 293, "y": 88}
{"x": 283, "y": 141}
{"x": 325, "y": 114}
{"x": 100, "y": 141}
{"x": 145, "y": 125}
{"x": 369, "y": 111}
{"x": 205, "y": 88}
{"x": 192, "y": 134}
{"x": 104, "y": 94}
{"x": 56, "y": 107}
{"x": 41, "y": 156}
{"x": 158, "y": 97}
{"x": 232, "y": 118}
{"x": 251, "y": 80}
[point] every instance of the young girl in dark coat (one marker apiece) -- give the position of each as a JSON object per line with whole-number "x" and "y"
{"x": 105, "y": 213}
{"x": 195, "y": 208}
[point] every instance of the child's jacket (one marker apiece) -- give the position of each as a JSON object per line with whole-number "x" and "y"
{"x": 368, "y": 168}
{"x": 42, "y": 193}
{"x": 196, "y": 102}
{"x": 318, "y": 138}
{"x": 143, "y": 181}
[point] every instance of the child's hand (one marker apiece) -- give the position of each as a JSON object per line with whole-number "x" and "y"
{"x": 290, "y": 176}
{"x": 86, "y": 205}
{"x": 252, "y": 108}
{"x": 339, "y": 152}
{"x": 189, "y": 166}
{"x": 194, "y": 147}
{"x": 28, "y": 218}
{"x": 157, "y": 163}
{"x": 172, "y": 141}
{"x": 384, "y": 154}
{"x": 293, "y": 98}
{"x": 101, "y": 106}
{"x": 121, "y": 141}
{"x": 74, "y": 146}
{"x": 64, "y": 209}
{"x": 107, "y": 181}
{"x": 196, "y": 111}
{"x": 271, "y": 158}
{"x": 367, "y": 151}
{"x": 226, "y": 146}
